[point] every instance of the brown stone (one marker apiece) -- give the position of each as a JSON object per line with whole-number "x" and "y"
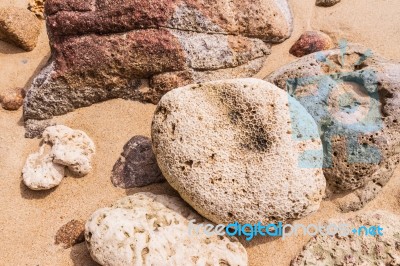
{"x": 70, "y": 234}
{"x": 13, "y": 99}
{"x": 327, "y": 3}
{"x": 311, "y": 42}
{"x": 19, "y": 27}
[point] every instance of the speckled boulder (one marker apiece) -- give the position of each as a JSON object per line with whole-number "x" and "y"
{"x": 354, "y": 249}
{"x": 19, "y": 27}
{"x": 147, "y": 229}
{"x": 139, "y": 50}
{"x": 71, "y": 148}
{"x": 353, "y": 95}
{"x": 239, "y": 150}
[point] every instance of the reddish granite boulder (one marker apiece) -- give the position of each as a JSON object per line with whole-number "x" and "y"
{"x": 139, "y": 50}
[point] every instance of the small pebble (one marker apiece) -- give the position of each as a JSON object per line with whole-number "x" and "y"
{"x": 70, "y": 234}
{"x": 12, "y": 99}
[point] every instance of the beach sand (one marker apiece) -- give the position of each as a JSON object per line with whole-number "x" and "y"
{"x": 29, "y": 220}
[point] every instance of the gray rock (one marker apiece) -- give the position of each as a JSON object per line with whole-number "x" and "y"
{"x": 35, "y": 128}
{"x": 354, "y": 249}
{"x": 239, "y": 150}
{"x": 137, "y": 165}
{"x": 353, "y": 94}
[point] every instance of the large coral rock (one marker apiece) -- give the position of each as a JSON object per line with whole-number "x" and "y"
{"x": 139, "y": 50}
{"x": 20, "y": 27}
{"x": 353, "y": 94}
{"x": 239, "y": 150}
{"x": 148, "y": 229}
{"x": 355, "y": 249}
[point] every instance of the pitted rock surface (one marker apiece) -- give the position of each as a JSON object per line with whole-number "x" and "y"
{"x": 354, "y": 249}
{"x": 239, "y": 150}
{"x": 141, "y": 49}
{"x": 353, "y": 94}
{"x": 148, "y": 229}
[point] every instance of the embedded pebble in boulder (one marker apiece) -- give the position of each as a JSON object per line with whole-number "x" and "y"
{"x": 139, "y": 50}
{"x": 311, "y": 42}
{"x": 137, "y": 165}
{"x": 148, "y": 229}
{"x": 40, "y": 172}
{"x": 37, "y": 7}
{"x": 35, "y": 128}
{"x": 72, "y": 148}
{"x": 354, "y": 249}
{"x": 70, "y": 234}
{"x": 239, "y": 150}
{"x": 19, "y": 27}
{"x": 353, "y": 95}
{"x": 327, "y": 3}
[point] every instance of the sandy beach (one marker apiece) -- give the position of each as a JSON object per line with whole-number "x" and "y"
{"x": 29, "y": 219}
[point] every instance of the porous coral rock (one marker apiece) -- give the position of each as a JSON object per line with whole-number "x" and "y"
{"x": 355, "y": 249}
{"x": 40, "y": 172}
{"x": 239, "y": 150}
{"x": 148, "y": 229}
{"x": 72, "y": 148}
{"x": 353, "y": 95}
